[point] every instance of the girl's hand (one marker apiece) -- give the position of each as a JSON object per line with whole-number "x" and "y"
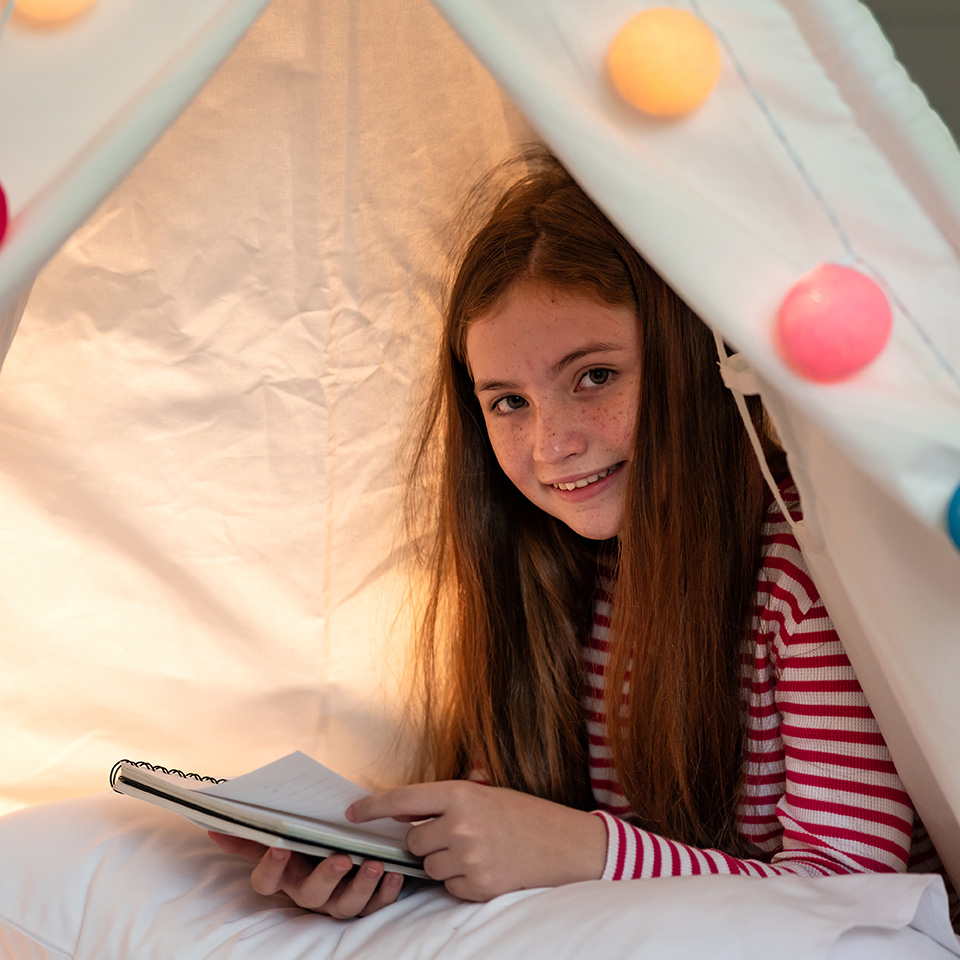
{"x": 323, "y": 887}
{"x": 484, "y": 841}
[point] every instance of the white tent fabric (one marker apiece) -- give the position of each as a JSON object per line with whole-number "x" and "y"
{"x": 199, "y": 417}
{"x": 201, "y": 414}
{"x": 70, "y": 133}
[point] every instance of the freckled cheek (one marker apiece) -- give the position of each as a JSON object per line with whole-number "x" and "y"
{"x": 628, "y": 428}
{"x": 623, "y": 422}
{"x": 616, "y": 426}
{"x": 510, "y": 449}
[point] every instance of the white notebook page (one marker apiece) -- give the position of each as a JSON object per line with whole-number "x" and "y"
{"x": 299, "y": 785}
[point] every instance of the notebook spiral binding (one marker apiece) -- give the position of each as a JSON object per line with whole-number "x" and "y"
{"x": 156, "y": 768}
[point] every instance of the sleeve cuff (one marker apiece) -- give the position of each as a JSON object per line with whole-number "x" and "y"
{"x": 612, "y": 868}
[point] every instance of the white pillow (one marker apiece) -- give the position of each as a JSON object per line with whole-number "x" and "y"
{"x": 107, "y": 877}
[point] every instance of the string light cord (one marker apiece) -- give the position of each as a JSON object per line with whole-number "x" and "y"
{"x": 852, "y": 256}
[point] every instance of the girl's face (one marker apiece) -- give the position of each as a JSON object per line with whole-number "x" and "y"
{"x": 557, "y": 375}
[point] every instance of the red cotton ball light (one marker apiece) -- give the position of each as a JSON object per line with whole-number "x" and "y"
{"x": 832, "y": 323}
{"x": 664, "y": 61}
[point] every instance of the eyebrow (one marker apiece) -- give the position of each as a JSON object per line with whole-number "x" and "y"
{"x": 600, "y": 346}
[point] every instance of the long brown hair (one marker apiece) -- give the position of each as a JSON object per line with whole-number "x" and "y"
{"x": 511, "y": 589}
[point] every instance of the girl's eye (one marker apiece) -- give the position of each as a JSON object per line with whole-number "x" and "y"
{"x": 596, "y": 377}
{"x": 509, "y": 404}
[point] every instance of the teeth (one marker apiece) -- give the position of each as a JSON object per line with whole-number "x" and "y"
{"x": 586, "y": 481}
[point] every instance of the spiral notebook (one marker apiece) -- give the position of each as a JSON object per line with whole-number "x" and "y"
{"x": 294, "y": 803}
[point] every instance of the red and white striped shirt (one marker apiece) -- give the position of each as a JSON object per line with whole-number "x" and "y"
{"x": 821, "y": 794}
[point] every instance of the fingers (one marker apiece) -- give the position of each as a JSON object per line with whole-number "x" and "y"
{"x": 352, "y": 897}
{"x": 327, "y": 890}
{"x": 386, "y": 893}
{"x": 416, "y": 801}
{"x": 280, "y": 871}
{"x": 267, "y": 876}
{"x": 327, "y": 887}
{"x": 427, "y": 838}
{"x": 237, "y": 846}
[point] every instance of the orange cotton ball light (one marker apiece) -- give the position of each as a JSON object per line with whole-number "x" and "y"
{"x": 51, "y": 11}
{"x": 664, "y": 61}
{"x": 832, "y": 323}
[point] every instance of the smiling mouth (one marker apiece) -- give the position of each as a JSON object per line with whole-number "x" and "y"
{"x": 586, "y": 481}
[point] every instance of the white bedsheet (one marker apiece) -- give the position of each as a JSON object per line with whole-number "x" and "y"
{"x": 108, "y": 878}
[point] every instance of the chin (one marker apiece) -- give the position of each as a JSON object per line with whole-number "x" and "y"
{"x": 595, "y": 535}
{"x": 593, "y": 531}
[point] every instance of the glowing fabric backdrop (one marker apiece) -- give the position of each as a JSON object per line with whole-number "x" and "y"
{"x": 199, "y": 417}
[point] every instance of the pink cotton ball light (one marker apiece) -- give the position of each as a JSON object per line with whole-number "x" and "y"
{"x": 3, "y": 213}
{"x": 833, "y": 323}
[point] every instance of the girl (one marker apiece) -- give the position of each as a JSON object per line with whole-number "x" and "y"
{"x": 626, "y": 670}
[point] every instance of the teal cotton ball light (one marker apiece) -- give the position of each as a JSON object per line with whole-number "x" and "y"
{"x": 953, "y": 518}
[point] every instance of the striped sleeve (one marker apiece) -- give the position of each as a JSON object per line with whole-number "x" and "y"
{"x": 821, "y": 794}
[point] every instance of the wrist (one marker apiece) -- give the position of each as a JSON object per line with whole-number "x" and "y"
{"x": 588, "y": 848}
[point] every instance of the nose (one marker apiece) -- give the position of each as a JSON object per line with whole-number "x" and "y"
{"x": 558, "y": 436}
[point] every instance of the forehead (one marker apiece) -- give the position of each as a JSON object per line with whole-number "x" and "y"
{"x": 536, "y": 322}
